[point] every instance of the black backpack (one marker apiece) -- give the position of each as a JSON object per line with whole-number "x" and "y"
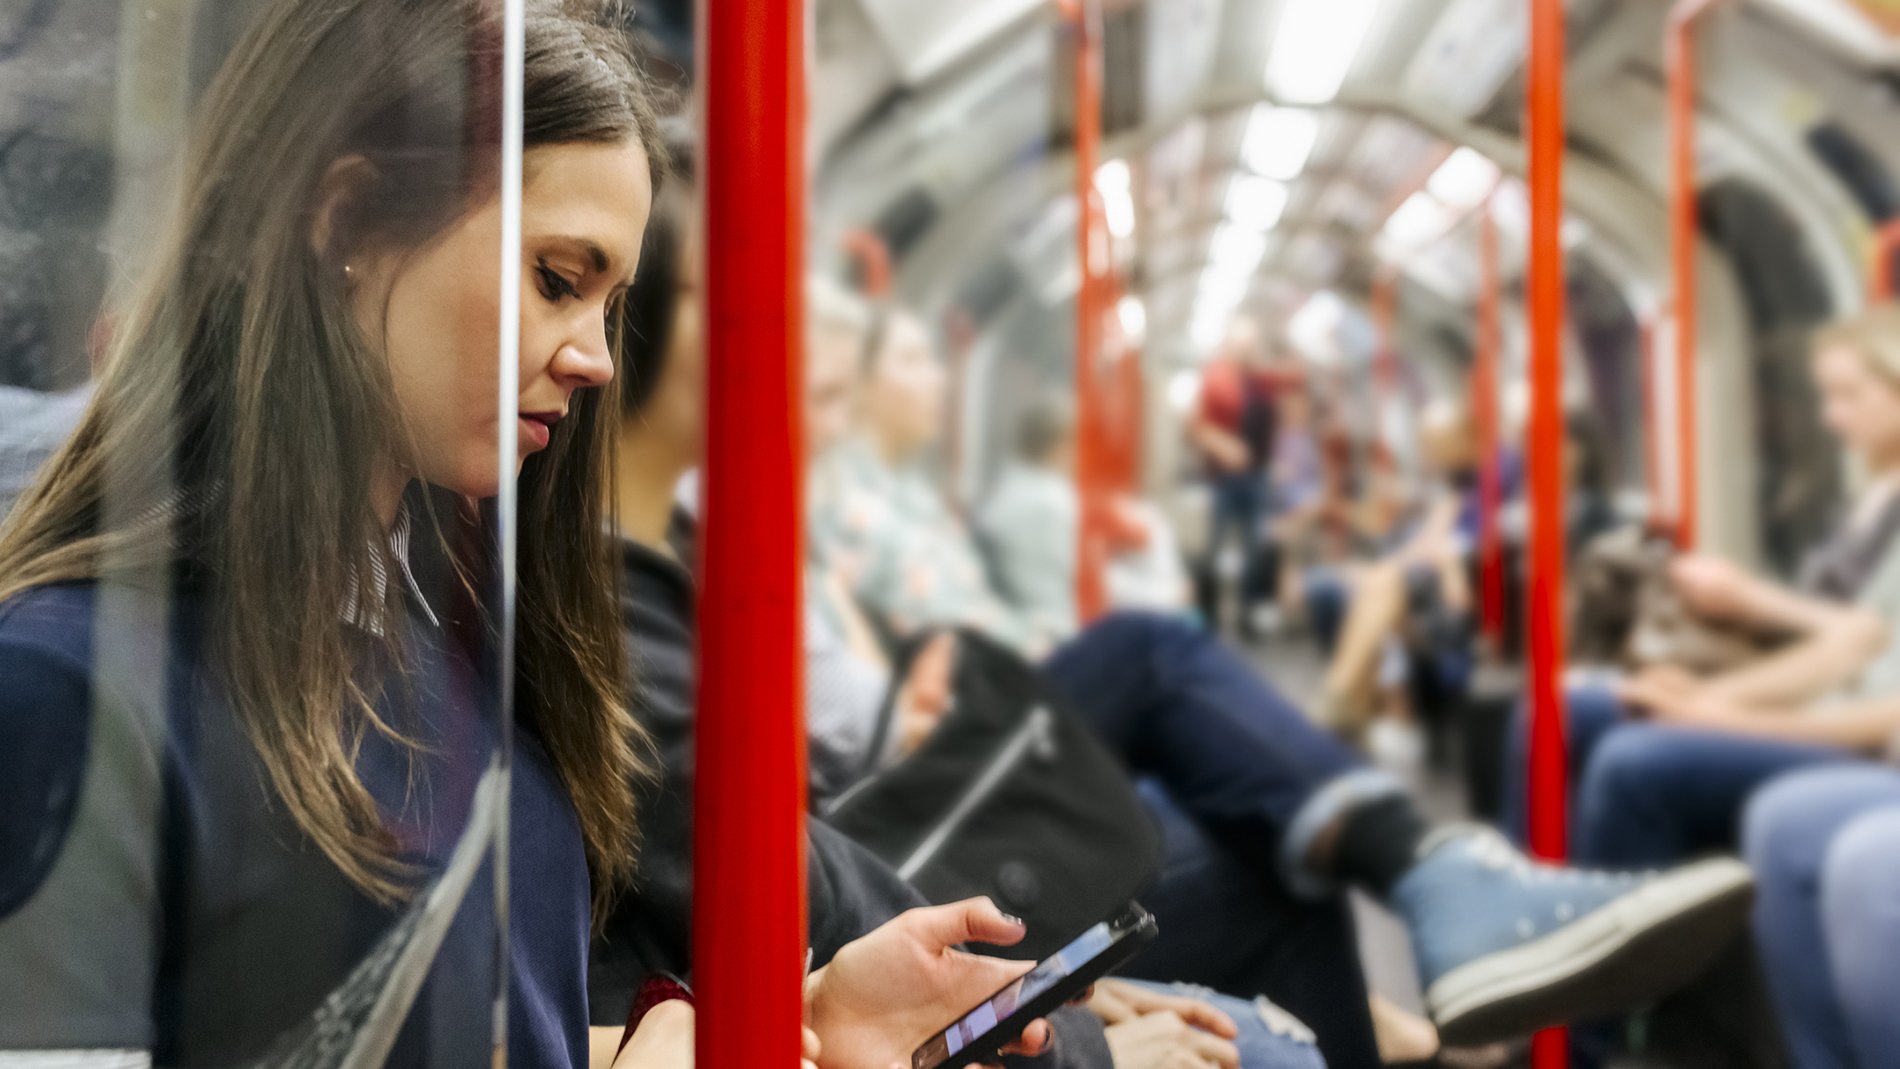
{"x": 1012, "y": 797}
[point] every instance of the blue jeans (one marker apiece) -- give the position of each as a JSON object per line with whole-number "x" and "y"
{"x": 1266, "y": 1041}
{"x": 1239, "y": 508}
{"x": 1825, "y": 847}
{"x": 1184, "y": 709}
{"x": 1240, "y": 783}
{"x": 1650, "y": 794}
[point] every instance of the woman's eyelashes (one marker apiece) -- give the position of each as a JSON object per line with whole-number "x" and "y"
{"x": 554, "y": 286}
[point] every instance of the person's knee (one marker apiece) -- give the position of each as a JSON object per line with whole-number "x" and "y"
{"x": 1860, "y": 878}
{"x": 1780, "y": 825}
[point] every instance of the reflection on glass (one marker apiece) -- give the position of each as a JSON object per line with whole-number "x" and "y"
{"x": 250, "y": 583}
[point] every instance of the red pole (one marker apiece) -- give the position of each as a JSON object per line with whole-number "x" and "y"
{"x": 1544, "y": 617}
{"x": 1880, "y": 277}
{"x": 1092, "y": 248}
{"x": 1681, "y": 61}
{"x": 1484, "y": 411}
{"x": 749, "y": 855}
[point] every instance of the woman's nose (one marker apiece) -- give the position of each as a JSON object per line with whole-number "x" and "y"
{"x": 584, "y": 362}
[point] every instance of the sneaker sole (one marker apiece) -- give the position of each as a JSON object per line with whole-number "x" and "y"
{"x": 1628, "y": 954}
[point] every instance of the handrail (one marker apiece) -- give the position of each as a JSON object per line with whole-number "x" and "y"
{"x": 1544, "y": 619}
{"x": 1680, "y": 59}
{"x": 1880, "y": 275}
{"x": 1484, "y": 419}
{"x": 749, "y": 856}
{"x": 1091, "y": 595}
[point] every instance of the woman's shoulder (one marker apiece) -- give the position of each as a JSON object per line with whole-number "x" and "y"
{"x": 51, "y": 625}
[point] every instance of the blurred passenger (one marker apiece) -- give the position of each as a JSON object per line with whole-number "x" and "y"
{"x": 1825, "y": 846}
{"x": 1665, "y": 760}
{"x": 647, "y": 932}
{"x": 1233, "y": 767}
{"x": 1233, "y": 429}
{"x": 247, "y": 779}
{"x": 33, "y": 424}
{"x": 1031, "y": 519}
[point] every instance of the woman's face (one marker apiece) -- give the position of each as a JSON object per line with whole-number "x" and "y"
{"x": 1860, "y": 407}
{"x": 904, "y": 395}
{"x": 674, "y": 415}
{"x": 437, "y": 311}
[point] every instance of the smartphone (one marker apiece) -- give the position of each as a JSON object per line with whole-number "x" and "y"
{"x": 1058, "y": 979}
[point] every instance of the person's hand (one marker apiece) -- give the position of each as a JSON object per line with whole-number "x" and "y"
{"x": 927, "y": 692}
{"x": 1118, "y": 1002}
{"x": 887, "y": 993}
{"x": 1166, "y": 1041}
{"x": 1664, "y": 679}
{"x": 1710, "y": 586}
{"x": 1666, "y": 702}
{"x": 664, "y": 1040}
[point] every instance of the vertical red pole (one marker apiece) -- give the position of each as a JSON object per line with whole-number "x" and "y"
{"x": 1484, "y": 413}
{"x": 1092, "y": 248}
{"x": 749, "y": 856}
{"x": 1680, "y": 60}
{"x": 1548, "y": 771}
{"x": 1880, "y": 275}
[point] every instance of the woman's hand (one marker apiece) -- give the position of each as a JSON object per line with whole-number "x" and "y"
{"x": 887, "y": 993}
{"x": 1166, "y": 1040}
{"x": 664, "y": 1040}
{"x": 1118, "y": 1001}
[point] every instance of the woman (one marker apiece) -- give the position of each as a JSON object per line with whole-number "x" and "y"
{"x": 1674, "y": 784}
{"x": 244, "y": 744}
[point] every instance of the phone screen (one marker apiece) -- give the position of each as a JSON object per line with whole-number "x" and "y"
{"x": 1047, "y": 974}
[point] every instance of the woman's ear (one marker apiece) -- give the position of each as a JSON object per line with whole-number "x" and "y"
{"x": 341, "y": 191}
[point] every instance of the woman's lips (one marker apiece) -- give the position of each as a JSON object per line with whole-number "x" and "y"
{"x": 537, "y": 428}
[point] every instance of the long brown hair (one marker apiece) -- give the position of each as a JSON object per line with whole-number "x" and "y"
{"x": 240, "y": 393}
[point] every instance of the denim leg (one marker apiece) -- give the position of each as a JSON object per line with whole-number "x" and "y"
{"x": 1860, "y": 911}
{"x": 1789, "y": 828}
{"x": 1229, "y": 924}
{"x": 1327, "y": 602}
{"x": 1179, "y": 705}
{"x": 1657, "y": 795}
{"x": 1590, "y": 713}
{"x": 1269, "y": 1038}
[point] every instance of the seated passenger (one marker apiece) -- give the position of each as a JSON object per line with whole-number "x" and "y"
{"x": 1030, "y": 525}
{"x": 1664, "y": 761}
{"x": 247, "y": 743}
{"x": 1825, "y": 846}
{"x": 648, "y": 930}
{"x": 1239, "y": 763}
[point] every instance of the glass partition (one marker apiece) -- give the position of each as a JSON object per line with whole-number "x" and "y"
{"x": 255, "y": 630}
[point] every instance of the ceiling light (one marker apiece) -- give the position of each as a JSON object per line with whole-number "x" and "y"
{"x": 1279, "y": 141}
{"x": 1255, "y": 203}
{"x": 1221, "y": 290}
{"x": 1113, "y": 177}
{"x": 1314, "y": 46}
{"x": 1236, "y": 251}
{"x": 1134, "y": 317}
{"x": 1464, "y": 179}
{"x": 1420, "y": 220}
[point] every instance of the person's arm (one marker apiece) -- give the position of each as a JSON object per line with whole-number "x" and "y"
{"x": 1839, "y": 647}
{"x": 1717, "y": 589}
{"x": 664, "y": 1040}
{"x": 1217, "y": 443}
{"x": 1866, "y": 725}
